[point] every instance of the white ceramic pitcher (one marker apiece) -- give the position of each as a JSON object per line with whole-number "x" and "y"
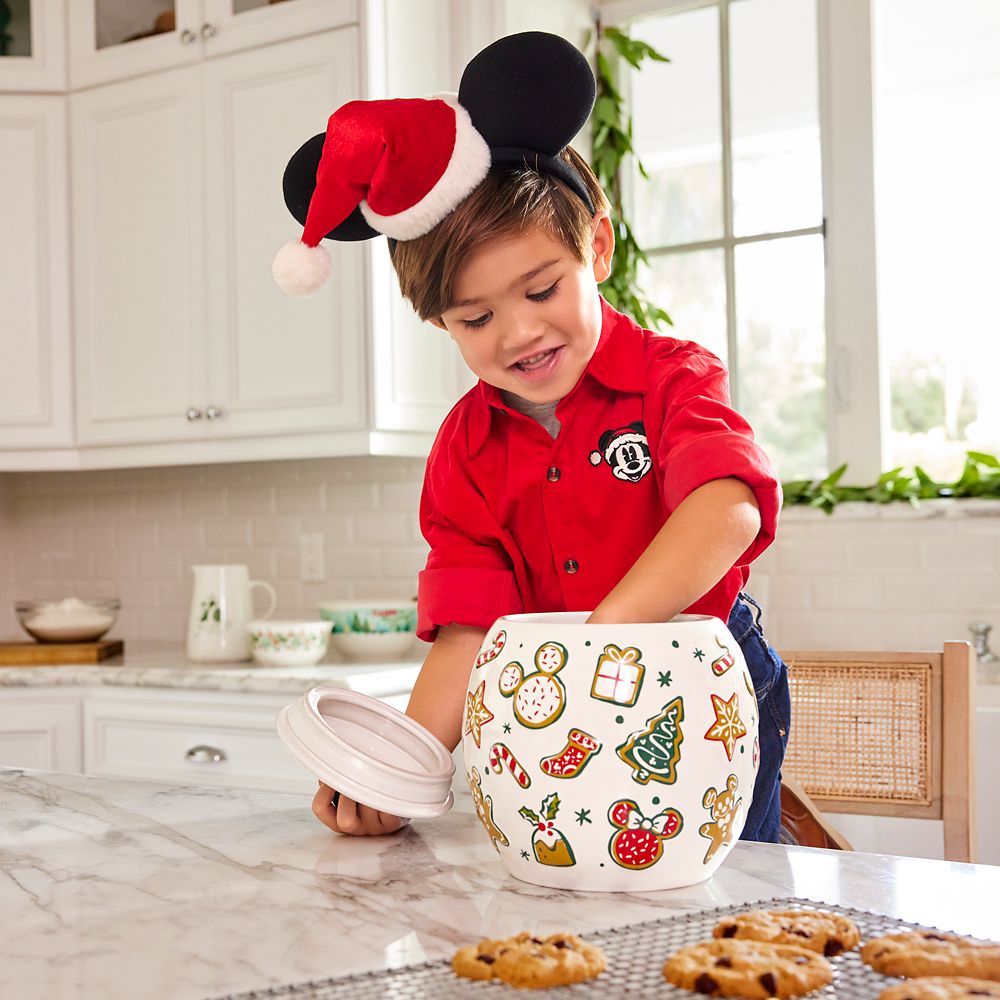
{"x": 221, "y": 606}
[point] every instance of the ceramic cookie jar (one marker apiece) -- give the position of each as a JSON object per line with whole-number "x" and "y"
{"x": 610, "y": 757}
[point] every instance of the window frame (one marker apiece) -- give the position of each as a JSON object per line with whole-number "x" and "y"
{"x": 856, "y": 389}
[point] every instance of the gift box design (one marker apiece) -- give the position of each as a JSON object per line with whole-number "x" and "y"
{"x": 584, "y": 776}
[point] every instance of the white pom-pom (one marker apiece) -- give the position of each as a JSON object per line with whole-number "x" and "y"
{"x": 299, "y": 269}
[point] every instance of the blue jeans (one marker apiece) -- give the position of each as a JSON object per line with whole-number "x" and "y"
{"x": 770, "y": 680}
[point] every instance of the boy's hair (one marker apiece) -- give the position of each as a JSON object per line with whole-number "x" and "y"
{"x": 504, "y": 205}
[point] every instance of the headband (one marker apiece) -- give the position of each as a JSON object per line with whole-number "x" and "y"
{"x": 398, "y": 167}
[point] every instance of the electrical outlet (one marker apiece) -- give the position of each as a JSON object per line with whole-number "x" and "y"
{"x": 311, "y": 567}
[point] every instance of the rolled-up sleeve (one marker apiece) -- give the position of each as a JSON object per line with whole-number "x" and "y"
{"x": 469, "y": 577}
{"x": 704, "y": 438}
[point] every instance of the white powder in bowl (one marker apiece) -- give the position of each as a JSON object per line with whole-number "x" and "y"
{"x": 71, "y": 620}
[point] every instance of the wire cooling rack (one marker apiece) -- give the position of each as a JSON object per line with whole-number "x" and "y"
{"x": 635, "y": 955}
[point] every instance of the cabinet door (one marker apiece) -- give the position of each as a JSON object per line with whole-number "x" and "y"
{"x": 33, "y": 46}
{"x": 35, "y": 382}
{"x": 113, "y": 39}
{"x": 277, "y": 364}
{"x": 230, "y": 25}
{"x": 138, "y": 259}
{"x": 41, "y": 730}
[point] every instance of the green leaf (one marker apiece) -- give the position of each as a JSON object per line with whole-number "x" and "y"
{"x": 550, "y": 805}
{"x": 983, "y": 459}
{"x": 529, "y": 814}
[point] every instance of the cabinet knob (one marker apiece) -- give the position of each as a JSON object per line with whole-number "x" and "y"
{"x": 203, "y": 754}
{"x": 193, "y": 414}
{"x": 188, "y": 36}
{"x": 213, "y": 412}
{"x": 209, "y": 30}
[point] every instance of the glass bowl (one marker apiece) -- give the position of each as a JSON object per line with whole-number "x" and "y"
{"x": 71, "y": 619}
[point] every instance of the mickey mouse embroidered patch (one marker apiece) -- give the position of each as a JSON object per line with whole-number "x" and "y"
{"x": 626, "y": 451}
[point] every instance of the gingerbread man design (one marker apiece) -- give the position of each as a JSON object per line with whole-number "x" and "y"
{"x": 539, "y": 697}
{"x": 484, "y": 810}
{"x": 724, "y": 807}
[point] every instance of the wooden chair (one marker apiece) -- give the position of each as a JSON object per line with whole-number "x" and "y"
{"x": 887, "y": 734}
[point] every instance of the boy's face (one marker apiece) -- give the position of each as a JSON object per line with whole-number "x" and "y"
{"x": 527, "y": 314}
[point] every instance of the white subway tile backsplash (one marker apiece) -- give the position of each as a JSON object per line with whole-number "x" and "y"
{"x": 274, "y": 529}
{"x": 301, "y": 498}
{"x": 381, "y": 528}
{"x": 227, "y": 530}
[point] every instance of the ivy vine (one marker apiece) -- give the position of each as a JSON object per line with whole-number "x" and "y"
{"x": 980, "y": 478}
{"x": 611, "y": 143}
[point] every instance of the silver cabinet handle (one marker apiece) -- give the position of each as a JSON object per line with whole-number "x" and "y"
{"x": 193, "y": 413}
{"x": 213, "y": 412}
{"x": 188, "y": 36}
{"x": 203, "y": 754}
{"x": 209, "y": 31}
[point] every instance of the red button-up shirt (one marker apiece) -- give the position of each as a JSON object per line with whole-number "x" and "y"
{"x": 519, "y": 521}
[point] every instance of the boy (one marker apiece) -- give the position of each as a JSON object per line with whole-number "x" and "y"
{"x": 595, "y": 465}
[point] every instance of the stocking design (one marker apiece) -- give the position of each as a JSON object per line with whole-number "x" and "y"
{"x": 573, "y": 757}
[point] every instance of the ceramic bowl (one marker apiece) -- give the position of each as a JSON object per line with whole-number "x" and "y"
{"x": 610, "y": 757}
{"x": 288, "y": 643}
{"x": 370, "y": 751}
{"x": 371, "y": 628}
{"x": 72, "y": 619}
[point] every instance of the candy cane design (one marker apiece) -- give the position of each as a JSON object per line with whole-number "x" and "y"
{"x": 722, "y": 663}
{"x": 499, "y": 641}
{"x": 501, "y": 757}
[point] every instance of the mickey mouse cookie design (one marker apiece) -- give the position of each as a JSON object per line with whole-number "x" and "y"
{"x": 539, "y": 697}
{"x": 638, "y": 842}
{"x": 724, "y": 807}
{"x": 626, "y": 450}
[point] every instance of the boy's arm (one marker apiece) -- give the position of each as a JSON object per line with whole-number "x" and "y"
{"x": 700, "y": 542}
{"x": 437, "y": 703}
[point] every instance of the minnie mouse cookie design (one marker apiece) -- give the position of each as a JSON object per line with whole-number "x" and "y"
{"x": 626, "y": 450}
{"x": 639, "y": 841}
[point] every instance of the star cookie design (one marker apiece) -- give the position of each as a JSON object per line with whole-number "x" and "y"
{"x": 476, "y": 713}
{"x": 728, "y": 726}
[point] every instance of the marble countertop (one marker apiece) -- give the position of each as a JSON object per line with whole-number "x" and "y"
{"x": 117, "y": 889}
{"x": 165, "y": 665}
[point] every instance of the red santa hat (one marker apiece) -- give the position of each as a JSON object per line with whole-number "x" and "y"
{"x": 404, "y": 163}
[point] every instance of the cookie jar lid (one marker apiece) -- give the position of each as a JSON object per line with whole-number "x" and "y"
{"x": 369, "y": 751}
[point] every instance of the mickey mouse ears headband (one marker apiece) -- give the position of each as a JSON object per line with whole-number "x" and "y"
{"x": 398, "y": 167}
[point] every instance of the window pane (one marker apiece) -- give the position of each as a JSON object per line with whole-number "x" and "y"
{"x": 692, "y": 288}
{"x": 777, "y": 178}
{"x": 780, "y": 337}
{"x": 677, "y": 130}
{"x": 15, "y": 29}
{"x": 937, "y": 103}
{"x": 119, "y": 21}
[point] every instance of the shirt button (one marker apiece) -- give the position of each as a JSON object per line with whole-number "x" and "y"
{"x": 571, "y": 565}
{"x": 554, "y": 475}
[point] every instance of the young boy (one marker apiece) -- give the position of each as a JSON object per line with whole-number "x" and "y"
{"x": 594, "y": 466}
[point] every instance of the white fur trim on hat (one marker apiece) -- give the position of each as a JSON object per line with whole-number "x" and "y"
{"x": 469, "y": 164}
{"x": 616, "y": 442}
{"x": 299, "y": 269}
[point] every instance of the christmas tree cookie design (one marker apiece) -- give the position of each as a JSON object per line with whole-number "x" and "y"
{"x": 484, "y": 810}
{"x": 654, "y": 752}
{"x": 722, "y": 663}
{"x": 549, "y": 845}
{"x": 724, "y": 807}
{"x": 539, "y": 698}
{"x": 573, "y": 757}
{"x": 618, "y": 676}
{"x": 638, "y": 842}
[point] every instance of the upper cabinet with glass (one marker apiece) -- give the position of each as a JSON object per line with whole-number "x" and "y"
{"x": 113, "y": 39}
{"x": 32, "y": 43}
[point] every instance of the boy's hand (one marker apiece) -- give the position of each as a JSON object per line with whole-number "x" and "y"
{"x": 344, "y": 815}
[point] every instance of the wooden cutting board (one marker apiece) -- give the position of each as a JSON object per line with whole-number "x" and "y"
{"x": 42, "y": 654}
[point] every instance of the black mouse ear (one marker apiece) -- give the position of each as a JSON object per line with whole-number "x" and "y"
{"x": 532, "y": 90}
{"x": 299, "y": 182}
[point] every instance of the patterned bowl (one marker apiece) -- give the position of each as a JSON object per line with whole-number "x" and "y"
{"x": 288, "y": 643}
{"x": 610, "y": 757}
{"x": 371, "y": 628}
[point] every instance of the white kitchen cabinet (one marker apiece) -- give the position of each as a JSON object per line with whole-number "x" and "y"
{"x": 114, "y": 39}
{"x": 41, "y": 729}
{"x": 181, "y": 334}
{"x": 32, "y": 56}
{"x": 203, "y": 737}
{"x": 35, "y": 377}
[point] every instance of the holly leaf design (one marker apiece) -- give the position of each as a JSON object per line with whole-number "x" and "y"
{"x": 550, "y": 805}
{"x": 529, "y": 814}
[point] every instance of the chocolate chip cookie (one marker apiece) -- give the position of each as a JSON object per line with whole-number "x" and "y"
{"x": 744, "y": 968}
{"x": 819, "y": 930}
{"x": 527, "y": 961}
{"x": 932, "y": 953}
{"x": 941, "y": 988}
